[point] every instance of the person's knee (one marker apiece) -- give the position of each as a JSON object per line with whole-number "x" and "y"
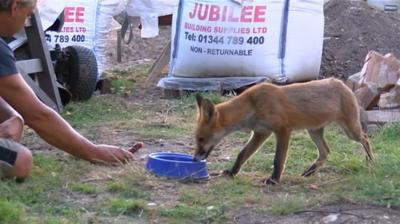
{"x": 22, "y": 165}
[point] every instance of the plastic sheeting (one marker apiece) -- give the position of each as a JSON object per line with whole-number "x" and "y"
{"x": 49, "y": 10}
{"x": 149, "y": 11}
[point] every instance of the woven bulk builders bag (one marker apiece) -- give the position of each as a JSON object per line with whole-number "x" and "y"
{"x": 235, "y": 43}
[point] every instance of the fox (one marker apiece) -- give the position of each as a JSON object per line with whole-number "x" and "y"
{"x": 267, "y": 108}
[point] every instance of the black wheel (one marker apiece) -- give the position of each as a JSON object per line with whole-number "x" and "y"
{"x": 82, "y": 72}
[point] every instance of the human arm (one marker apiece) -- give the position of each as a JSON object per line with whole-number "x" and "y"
{"x": 52, "y": 127}
{"x": 11, "y": 122}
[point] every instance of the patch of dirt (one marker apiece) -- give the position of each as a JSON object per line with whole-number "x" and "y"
{"x": 352, "y": 29}
{"x": 344, "y": 213}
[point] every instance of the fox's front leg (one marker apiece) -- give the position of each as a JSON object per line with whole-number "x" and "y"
{"x": 282, "y": 144}
{"x": 255, "y": 141}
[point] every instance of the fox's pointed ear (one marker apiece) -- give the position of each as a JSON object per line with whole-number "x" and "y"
{"x": 207, "y": 109}
{"x": 199, "y": 99}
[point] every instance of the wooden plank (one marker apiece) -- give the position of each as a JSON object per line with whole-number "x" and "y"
{"x": 383, "y": 116}
{"x": 156, "y": 69}
{"x": 30, "y": 66}
{"x": 39, "y": 49}
{"x": 38, "y": 91}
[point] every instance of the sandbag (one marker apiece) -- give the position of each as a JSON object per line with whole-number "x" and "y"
{"x": 278, "y": 40}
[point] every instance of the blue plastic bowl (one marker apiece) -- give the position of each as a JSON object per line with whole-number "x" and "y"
{"x": 176, "y": 166}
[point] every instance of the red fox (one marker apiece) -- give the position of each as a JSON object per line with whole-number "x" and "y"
{"x": 267, "y": 108}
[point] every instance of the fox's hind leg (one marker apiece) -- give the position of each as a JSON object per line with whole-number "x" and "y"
{"x": 354, "y": 131}
{"x": 317, "y": 136}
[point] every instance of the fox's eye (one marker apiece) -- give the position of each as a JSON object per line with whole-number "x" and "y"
{"x": 201, "y": 139}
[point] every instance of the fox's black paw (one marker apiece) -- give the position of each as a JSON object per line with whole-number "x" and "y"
{"x": 309, "y": 171}
{"x": 228, "y": 173}
{"x": 270, "y": 181}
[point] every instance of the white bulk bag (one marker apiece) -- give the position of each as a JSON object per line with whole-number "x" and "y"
{"x": 279, "y": 40}
{"x": 79, "y": 25}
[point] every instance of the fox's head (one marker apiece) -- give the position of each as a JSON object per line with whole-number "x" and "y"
{"x": 206, "y": 133}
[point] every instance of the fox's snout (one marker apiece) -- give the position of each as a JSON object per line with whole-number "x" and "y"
{"x": 198, "y": 158}
{"x": 201, "y": 154}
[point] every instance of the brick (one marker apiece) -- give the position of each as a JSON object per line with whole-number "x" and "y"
{"x": 367, "y": 96}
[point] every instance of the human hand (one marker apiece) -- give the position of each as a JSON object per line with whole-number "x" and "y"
{"x": 113, "y": 154}
{"x": 12, "y": 128}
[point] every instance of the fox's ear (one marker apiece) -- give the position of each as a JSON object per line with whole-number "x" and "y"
{"x": 199, "y": 99}
{"x": 207, "y": 110}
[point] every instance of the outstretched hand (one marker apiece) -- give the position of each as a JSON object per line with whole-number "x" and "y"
{"x": 109, "y": 154}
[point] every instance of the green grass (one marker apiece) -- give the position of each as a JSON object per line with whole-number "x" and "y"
{"x": 58, "y": 190}
{"x": 379, "y": 183}
{"x": 182, "y": 213}
{"x": 288, "y": 204}
{"x": 36, "y": 194}
{"x": 122, "y": 206}
{"x": 84, "y": 188}
{"x": 123, "y": 82}
{"x": 11, "y": 211}
{"x": 100, "y": 109}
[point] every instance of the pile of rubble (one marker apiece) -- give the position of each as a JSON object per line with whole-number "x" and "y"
{"x": 377, "y": 88}
{"x": 352, "y": 29}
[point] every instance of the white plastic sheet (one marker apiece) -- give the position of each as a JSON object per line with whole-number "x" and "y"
{"x": 149, "y": 11}
{"x": 49, "y": 11}
{"x": 104, "y": 25}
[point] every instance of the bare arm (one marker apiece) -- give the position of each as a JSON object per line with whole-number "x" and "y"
{"x": 51, "y": 126}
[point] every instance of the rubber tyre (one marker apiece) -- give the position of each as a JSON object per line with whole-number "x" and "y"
{"x": 83, "y": 72}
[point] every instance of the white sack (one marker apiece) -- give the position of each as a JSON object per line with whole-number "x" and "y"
{"x": 256, "y": 46}
{"x": 79, "y": 25}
